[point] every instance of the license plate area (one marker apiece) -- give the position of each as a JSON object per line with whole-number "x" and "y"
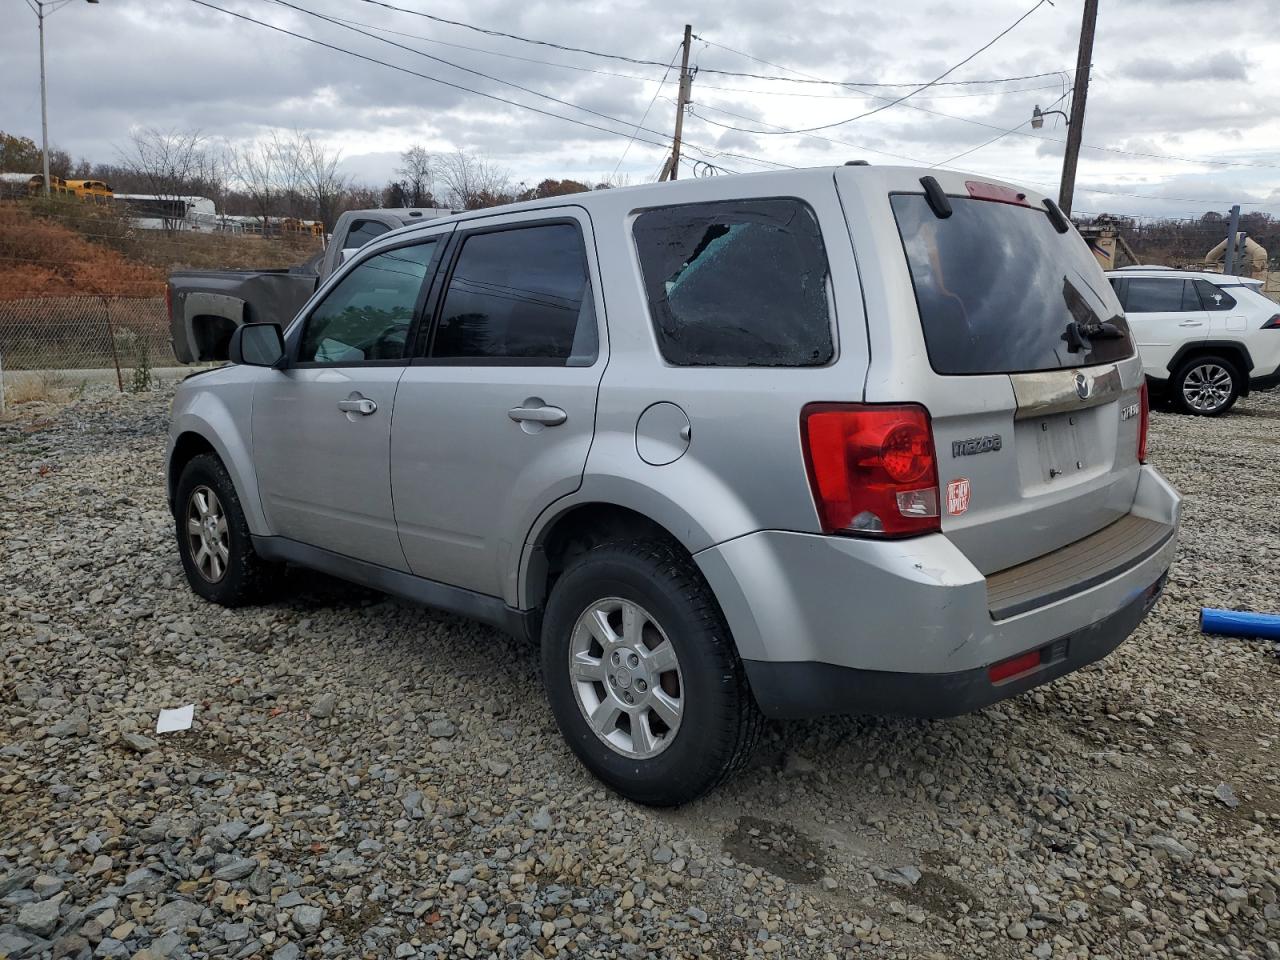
{"x": 1057, "y": 440}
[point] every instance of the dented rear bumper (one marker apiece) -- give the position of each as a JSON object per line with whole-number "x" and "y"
{"x": 843, "y": 625}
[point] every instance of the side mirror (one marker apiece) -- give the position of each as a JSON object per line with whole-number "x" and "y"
{"x": 257, "y": 345}
{"x": 346, "y": 254}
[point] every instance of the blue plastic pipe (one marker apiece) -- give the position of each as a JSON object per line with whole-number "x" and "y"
{"x": 1233, "y": 623}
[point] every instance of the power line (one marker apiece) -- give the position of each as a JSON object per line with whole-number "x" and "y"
{"x": 868, "y": 96}
{"x": 422, "y": 76}
{"x": 943, "y": 164}
{"x": 457, "y": 86}
{"x": 658, "y": 63}
{"x": 809, "y": 78}
{"x": 812, "y": 136}
{"x": 1009, "y": 132}
{"x": 498, "y": 53}
{"x": 998, "y": 136}
{"x": 707, "y": 86}
{"x": 645, "y": 115}
{"x": 457, "y": 66}
{"x": 924, "y": 86}
{"x": 513, "y": 36}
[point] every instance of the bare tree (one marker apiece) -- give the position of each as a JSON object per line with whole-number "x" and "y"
{"x": 255, "y": 167}
{"x": 417, "y": 169}
{"x": 174, "y": 164}
{"x": 287, "y": 150}
{"x": 473, "y": 181}
{"x": 323, "y": 184}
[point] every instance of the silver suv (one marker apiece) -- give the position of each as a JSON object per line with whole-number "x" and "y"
{"x": 852, "y": 440}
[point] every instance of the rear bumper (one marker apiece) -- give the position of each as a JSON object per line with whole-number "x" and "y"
{"x": 1267, "y": 381}
{"x": 813, "y": 689}
{"x": 844, "y": 625}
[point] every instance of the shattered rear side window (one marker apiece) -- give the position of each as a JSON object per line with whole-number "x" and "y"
{"x": 741, "y": 283}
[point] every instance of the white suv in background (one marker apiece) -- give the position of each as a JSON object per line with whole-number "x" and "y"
{"x": 1205, "y": 338}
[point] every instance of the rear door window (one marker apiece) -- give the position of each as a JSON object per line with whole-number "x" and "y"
{"x": 737, "y": 283}
{"x": 520, "y": 294}
{"x": 1160, "y": 295}
{"x": 999, "y": 290}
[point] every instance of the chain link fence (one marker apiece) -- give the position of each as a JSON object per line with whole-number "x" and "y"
{"x": 84, "y": 333}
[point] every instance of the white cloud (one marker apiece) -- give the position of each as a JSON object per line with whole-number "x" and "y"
{"x": 1163, "y": 84}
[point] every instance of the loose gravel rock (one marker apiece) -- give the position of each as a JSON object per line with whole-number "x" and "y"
{"x": 365, "y": 778}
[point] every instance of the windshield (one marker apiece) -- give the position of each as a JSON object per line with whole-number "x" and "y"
{"x": 1001, "y": 291}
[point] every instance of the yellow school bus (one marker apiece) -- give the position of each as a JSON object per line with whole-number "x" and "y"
{"x": 93, "y": 190}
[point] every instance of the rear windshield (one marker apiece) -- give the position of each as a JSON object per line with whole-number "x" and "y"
{"x": 1001, "y": 291}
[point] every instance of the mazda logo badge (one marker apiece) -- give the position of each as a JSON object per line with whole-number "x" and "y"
{"x": 1084, "y": 386}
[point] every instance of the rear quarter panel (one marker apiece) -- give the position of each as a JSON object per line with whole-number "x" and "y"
{"x": 744, "y": 468}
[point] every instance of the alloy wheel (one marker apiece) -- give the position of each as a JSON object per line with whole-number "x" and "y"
{"x": 1207, "y": 387}
{"x": 207, "y": 534}
{"x": 626, "y": 678}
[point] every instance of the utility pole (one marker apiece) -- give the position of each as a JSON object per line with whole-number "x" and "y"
{"x": 1075, "y": 126}
{"x": 38, "y": 6}
{"x": 44, "y": 102}
{"x": 1229, "y": 254}
{"x": 672, "y": 170}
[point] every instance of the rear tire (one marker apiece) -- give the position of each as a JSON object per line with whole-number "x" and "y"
{"x": 653, "y": 662}
{"x": 1206, "y": 386}
{"x": 213, "y": 537}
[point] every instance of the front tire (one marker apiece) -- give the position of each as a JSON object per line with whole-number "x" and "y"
{"x": 642, "y": 674}
{"x": 213, "y": 537}
{"x": 1207, "y": 386}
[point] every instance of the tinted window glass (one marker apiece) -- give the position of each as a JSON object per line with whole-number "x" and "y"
{"x": 1001, "y": 291}
{"x": 367, "y": 315}
{"x": 1213, "y": 297}
{"x": 1152, "y": 295}
{"x": 519, "y": 293}
{"x": 362, "y": 231}
{"x": 737, "y": 284}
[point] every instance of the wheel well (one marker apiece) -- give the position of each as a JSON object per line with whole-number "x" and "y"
{"x": 1238, "y": 355}
{"x": 212, "y": 336}
{"x": 576, "y": 531}
{"x": 1228, "y": 351}
{"x": 187, "y": 447}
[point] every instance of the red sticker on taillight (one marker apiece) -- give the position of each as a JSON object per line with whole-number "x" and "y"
{"x": 957, "y": 496}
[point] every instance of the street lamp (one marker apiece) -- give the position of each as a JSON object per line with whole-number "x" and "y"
{"x": 38, "y": 6}
{"x": 1037, "y": 115}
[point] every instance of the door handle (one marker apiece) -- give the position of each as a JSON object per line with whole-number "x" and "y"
{"x": 544, "y": 414}
{"x": 1192, "y": 323}
{"x": 357, "y": 404}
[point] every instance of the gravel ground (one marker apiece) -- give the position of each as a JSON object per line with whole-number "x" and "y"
{"x": 367, "y": 778}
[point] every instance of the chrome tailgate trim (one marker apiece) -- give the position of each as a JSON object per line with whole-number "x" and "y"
{"x": 1061, "y": 391}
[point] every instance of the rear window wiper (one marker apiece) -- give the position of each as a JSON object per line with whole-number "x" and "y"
{"x": 1079, "y": 335}
{"x": 1106, "y": 330}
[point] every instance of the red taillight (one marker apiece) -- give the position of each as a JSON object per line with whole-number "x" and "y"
{"x": 872, "y": 469}
{"x": 1273, "y": 323}
{"x": 1014, "y": 666}
{"x": 1144, "y": 421}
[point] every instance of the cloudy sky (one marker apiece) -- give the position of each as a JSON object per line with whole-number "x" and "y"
{"x": 1193, "y": 79}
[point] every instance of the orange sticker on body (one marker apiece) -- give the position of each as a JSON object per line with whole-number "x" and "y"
{"x": 957, "y": 496}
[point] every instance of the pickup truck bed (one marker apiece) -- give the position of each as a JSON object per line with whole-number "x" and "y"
{"x": 206, "y": 306}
